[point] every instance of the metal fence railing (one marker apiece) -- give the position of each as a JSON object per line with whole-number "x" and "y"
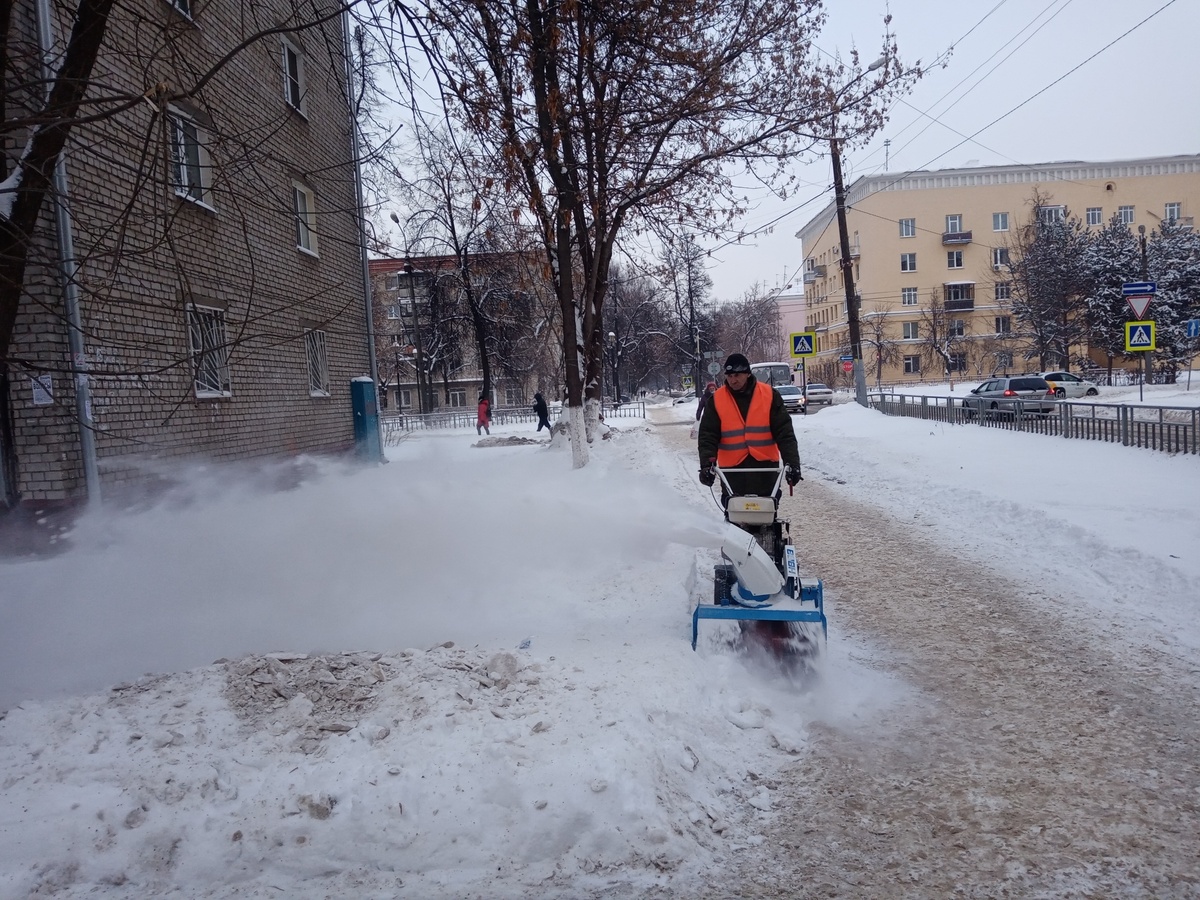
{"x": 396, "y": 425}
{"x": 1172, "y": 429}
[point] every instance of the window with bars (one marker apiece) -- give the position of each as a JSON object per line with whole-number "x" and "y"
{"x": 293, "y": 77}
{"x": 210, "y": 350}
{"x": 304, "y": 208}
{"x": 318, "y": 363}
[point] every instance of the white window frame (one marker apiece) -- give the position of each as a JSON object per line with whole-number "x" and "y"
{"x": 512, "y": 397}
{"x": 318, "y": 362}
{"x": 183, "y": 7}
{"x": 954, "y": 259}
{"x": 999, "y": 221}
{"x": 1095, "y": 215}
{"x": 912, "y": 365}
{"x": 954, "y": 223}
{"x": 304, "y": 215}
{"x": 911, "y": 331}
{"x": 1003, "y": 290}
{"x": 1127, "y": 214}
{"x": 1004, "y": 360}
{"x": 1003, "y": 324}
{"x": 956, "y": 328}
{"x": 393, "y": 310}
{"x": 191, "y": 167}
{"x": 999, "y": 257}
{"x": 908, "y": 262}
{"x": 908, "y": 296}
{"x": 908, "y": 228}
{"x": 458, "y": 398}
{"x": 1172, "y": 211}
{"x": 208, "y": 342}
{"x": 391, "y": 282}
{"x": 958, "y": 362}
{"x": 295, "y": 87}
{"x": 1051, "y": 215}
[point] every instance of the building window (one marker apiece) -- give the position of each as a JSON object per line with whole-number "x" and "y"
{"x": 1004, "y": 290}
{"x": 954, "y": 259}
{"x": 958, "y": 362}
{"x": 458, "y": 397}
{"x": 999, "y": 257}
{"x": 1095, "y": 215}
{"x": 908, "y": 296}
{"x": 911, "y": 330}
{"x": 1126, "y": 214}
{"x": 183, "y": 6}
{"x": 912, "y": 365}
{"x": 1004, "y": 360}
{"x": 1051, "y": 215}
{"x": 908, "y": 262}
{"x": 210, "y": 350}
{"x": 908, "y": 228}
{"x": 954, "y": 223}
{"x": 960, "y": 297}
{"x": 393, "y": 311}
{"x": 1173, "y": 211}
{"x": 956, "y": 328}
{"x": 318, "y": 364}
{"x": 1000, "y": 221}
{"x": 293, "y": 77}
{"x": 189, "y": 157}
{"x": 304, "y": 208}
{"x": 1003, "y": 325}
{"x": 512, "y": 397}
{"x": 391, "y": 282}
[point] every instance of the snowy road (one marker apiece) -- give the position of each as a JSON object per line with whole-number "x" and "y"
{"x": 1037, "y": 753}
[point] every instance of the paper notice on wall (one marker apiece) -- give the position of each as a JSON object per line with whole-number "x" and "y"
{"x": 43, "y": 389}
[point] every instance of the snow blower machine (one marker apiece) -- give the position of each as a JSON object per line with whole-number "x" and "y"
{"x": 780, "y": 613}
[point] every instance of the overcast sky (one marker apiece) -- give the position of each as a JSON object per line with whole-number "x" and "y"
{"x": 1028, "y": 81}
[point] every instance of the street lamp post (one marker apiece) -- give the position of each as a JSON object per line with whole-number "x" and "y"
{"x": 1145, "y": 277}
{"x": 615, "y": 356}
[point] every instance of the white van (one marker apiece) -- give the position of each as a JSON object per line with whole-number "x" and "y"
{"x": 773, "y": 373}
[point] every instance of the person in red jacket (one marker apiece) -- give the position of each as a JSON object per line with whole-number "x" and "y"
{"x": 746, "y": 425}
{"x": 485, "y": 416}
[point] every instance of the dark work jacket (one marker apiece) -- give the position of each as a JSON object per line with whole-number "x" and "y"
{"x": 781, "y": 427}
{"x": 539, "y": 407}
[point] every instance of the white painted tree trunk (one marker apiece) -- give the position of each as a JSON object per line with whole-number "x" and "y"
{"x": 577, "y": 432}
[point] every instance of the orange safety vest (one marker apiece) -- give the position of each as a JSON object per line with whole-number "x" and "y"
{"x": 749, "y": 437}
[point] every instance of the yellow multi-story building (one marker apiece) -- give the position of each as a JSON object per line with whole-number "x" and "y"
{"x": 930, "y": 253}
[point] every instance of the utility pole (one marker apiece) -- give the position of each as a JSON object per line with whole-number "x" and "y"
{"x": 839, "y": 189}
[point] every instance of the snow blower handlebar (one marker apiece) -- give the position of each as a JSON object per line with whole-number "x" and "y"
{"x": 780, "y": 472}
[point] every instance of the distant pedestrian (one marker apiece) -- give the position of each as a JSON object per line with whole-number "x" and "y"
{"x": 704, "y": 398}
{"x": 543, "y": 413}
{"x": 485, "y": 416}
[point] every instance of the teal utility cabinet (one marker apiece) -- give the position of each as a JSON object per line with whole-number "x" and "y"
{"x": 366, "y": 419}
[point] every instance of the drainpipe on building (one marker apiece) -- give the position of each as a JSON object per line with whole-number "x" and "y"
{"x": 361, "y": 217}
{"x": 69, "y": 271}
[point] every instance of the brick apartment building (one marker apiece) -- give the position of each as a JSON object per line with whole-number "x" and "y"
{"x": 220, "y": 288}
{"x": 945, "y": 233}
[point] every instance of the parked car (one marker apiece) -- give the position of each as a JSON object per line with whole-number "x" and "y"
{"x": 1064, "y": 384}
{"x": 1030, "y": 394}
{"x": 793, "y": 398}
{"x": 816, "y": 394}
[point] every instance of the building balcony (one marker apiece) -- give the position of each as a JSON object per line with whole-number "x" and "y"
{"x": 956, "y": 237}
{"x": 813, "y": 274}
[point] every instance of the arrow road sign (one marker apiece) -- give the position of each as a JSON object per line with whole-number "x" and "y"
{"x": 1139, "y": 287}
{"x": 1139, "y": 303}
{"x": 1193, "y": 328}
{"x": 1139, "y": 336}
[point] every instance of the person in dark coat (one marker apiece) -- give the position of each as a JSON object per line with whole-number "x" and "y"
{"x": 735, "y": 398}
{"x": 543, "y": 413}
{"x": 704, "y": 398}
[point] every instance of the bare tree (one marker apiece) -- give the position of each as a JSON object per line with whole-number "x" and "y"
{"x": 885, "y": 349}
{"x": 637, "y": 115}
{"x": 943, "y": 336}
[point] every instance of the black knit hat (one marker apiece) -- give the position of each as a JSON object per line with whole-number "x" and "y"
{"x": 736, "y": 363}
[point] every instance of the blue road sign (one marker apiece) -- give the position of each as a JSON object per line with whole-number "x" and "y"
{"x": 846, "y": 358}
{"x": 804, "y": 343}
{"x": 1139, "y": 336}
{"x": 1139, "y": 287}
{"x": 1193, "y": 327}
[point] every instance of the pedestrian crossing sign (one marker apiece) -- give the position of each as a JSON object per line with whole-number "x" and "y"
{"x": 1140, "y": 336}
{"x": 804, "y": 343}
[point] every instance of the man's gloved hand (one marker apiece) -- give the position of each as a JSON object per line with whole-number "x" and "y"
{"x": 708, "y": 475}
{"x": 792, "y": 475}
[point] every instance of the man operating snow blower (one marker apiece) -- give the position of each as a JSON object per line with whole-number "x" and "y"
{"x": 745, "y": 426}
